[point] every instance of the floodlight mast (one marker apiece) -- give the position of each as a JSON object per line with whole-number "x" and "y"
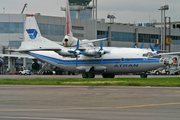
{"x": 165, "y": 7}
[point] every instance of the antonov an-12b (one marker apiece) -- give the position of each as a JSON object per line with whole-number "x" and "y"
{"x": 86, "y": 59}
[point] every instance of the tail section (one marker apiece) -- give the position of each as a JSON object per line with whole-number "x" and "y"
{"x": 68, "y": 20}
{"x": 32, "y": 36}
{"x": 31, "y": 29}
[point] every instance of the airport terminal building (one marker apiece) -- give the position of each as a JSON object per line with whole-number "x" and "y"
{"x": 54, "y": 28}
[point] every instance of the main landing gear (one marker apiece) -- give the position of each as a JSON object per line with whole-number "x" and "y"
{"x": 108, "y": 75}
{"x": 88, "y": 75}
{"x": 92, "y": 75}
{"x": 143, "y": 75}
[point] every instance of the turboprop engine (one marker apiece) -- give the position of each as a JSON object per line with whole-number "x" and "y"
{"x": 36, "y": 66}
{"x": 68, "y": 41}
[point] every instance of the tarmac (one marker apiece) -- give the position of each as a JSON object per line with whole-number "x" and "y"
{"x": 47, "y": 102}
{"x": 75, "y": 76}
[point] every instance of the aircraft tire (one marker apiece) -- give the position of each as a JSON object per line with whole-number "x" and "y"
{"x": 105, "y": 75}
{"x": 91, "y": 75}
{"x": 143, "y": 75}
{"x": 108, "y": 75}
{"x": 85, "y": 75}
{"x": 111, "y": 75}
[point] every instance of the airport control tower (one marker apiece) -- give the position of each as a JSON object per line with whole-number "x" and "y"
{"x": 81, "y": 9}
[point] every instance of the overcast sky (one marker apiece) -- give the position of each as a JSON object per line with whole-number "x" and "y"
{"x": 126, "y": 11}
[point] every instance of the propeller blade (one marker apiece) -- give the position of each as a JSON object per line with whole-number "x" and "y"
{"x": 77, "y": 47}
{"x": 96, "y": 53}
{"x": 106, "y": 52}
{"x": 70, "y": 51}
{"x": 142, "y": 45}
{"x": 101, "y": 45}
{"x": 151, "y": 47}
{"x": 101, "y": 60}
{"x": 157, "y": 47}
{"x": 83, "y": 53}
{"x": 76, "y": 61}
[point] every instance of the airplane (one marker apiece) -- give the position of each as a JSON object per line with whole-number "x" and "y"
{"x": 69, "y": 40}
{"x": 86, "y": 60}
{"x": 89, "y": 61}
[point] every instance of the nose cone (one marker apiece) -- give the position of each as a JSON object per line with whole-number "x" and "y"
{"x": 1, "y": 62}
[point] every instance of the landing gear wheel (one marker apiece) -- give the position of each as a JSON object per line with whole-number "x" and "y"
{"x": 88, "y": 75}
{"x": 85, "y": 75}
{"x": 111, "y": 76}
{"x": 91, "y": 75}
{"x": 108, "y": 75}
{"x": 143, "y": 75}
{"x": 105, "y": 75}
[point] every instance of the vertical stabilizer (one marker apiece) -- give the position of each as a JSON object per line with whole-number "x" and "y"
{"x": 68, "y": 20}
{"x": 31, "y": 29}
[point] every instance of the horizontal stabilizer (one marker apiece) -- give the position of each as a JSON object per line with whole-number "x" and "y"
{"x": 17, "y": 56}
{"x": 35, "y": 49}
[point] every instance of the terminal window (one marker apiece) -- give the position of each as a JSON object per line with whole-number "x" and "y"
{"x": 48, "y": 29}
{"x": 148, "y": 38}
{"x": 11, "y": 27}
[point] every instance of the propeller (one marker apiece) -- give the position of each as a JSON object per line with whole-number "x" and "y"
{"x": 102, "y": 52}
{"x": 156, "y": 50}
{"x": 77, "y": 52}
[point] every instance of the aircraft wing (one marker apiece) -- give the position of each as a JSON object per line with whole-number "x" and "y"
{"x": 34, "y": 49}
{"x": 171, "y": 53}
{"x": 17, "y": 56}
{"x": 60, "y": 43}
{"x": 89, "y": 41}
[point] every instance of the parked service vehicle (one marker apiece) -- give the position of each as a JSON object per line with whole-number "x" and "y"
{"x": 25, "y": 72}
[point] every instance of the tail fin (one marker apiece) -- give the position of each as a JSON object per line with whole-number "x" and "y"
{"x": 31, "y": 29}
{"x": 68, "y": 20}
{"x": 32, "y": 36}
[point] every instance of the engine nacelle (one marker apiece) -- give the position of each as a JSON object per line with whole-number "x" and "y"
{"x": 36, "y": 66}
{"x": 65, "y": 53}
{"x": 68, "y": 41}
{"x": 91, "y": 52}
{"x": 1, "y": 62}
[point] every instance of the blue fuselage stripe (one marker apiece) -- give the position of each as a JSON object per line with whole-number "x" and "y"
{"x": 96, "y": 61}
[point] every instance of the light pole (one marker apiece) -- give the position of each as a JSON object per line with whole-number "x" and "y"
{"x": 165, "y": 7}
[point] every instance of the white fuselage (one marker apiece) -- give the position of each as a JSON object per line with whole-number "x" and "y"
{"x": 119, "y": 60}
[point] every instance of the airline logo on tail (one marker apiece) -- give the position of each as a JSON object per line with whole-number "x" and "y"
{"x": 32, "y": 33}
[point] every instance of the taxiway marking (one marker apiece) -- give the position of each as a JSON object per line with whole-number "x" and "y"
{"x": 90, "y": 108}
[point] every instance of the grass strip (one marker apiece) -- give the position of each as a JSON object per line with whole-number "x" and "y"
{"x": 163, "y": 82}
